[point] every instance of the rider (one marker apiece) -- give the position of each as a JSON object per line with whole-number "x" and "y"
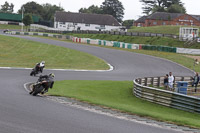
{"x": 40, "y": 66}
{"x": 48, "y": 82}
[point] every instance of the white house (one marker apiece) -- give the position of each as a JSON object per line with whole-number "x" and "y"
{"x": 84, "y": 21}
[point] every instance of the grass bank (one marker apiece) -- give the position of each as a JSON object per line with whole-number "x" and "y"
{"x": 6, "y": 26}
{"x": 17, "y": 52}
{"x": 161, "y": 41}
{"x": 118, "y": 95}
{"x": 168, "y": 29}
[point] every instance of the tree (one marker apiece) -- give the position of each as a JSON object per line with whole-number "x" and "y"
{"x": 111, "y": 7}
{"x": 151, "y": 6}
{"x": 91, "y": 9}
{"x": 175, "y": 8}
{"x": 114, "y": 8}
{"x": 128, "y": 23}
{"x": 7, "y": 8}
{"x": 49, "y": 11}
{"x": 32, "y": 8}
{"x": 27, "y": 20}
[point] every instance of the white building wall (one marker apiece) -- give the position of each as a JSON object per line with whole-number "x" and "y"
{"x": 68, "y": 26}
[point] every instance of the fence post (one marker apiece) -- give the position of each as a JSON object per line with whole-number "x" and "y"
{"x": 145, "y": 82}
{"x": 182, "y": 78}
{"x": 158, "y": 82}
{"x": 152, "y": 79}
{"x": 140, "y": 81}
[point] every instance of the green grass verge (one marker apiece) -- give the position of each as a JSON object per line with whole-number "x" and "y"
{"x": 161, "y": 41}
{"x": 17, "y": 52}
{"x": 6, "y": 26}
{"x": 159, "y": 29}
{"x": 118, "y": 95}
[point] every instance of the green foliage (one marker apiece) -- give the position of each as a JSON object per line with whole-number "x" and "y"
{"x": 27, "y": 20}
{"x": 7, "y": 8}
{"x": 17, "y": 52}
{"x": 32, "y": 8}
{"x": 157, "y": 9}
{"x": 91, "y": 9}
{"x": 119, "y": 95}
{"x": 111, "y": 7}
{"x": 45, "y": 12}
{"x": 128, "y": 23}
{"x": 49, "y": 11}
{"x": 175, "y": 8}
{"x": 172, "y": 6}
{"x": 114, "y": 8}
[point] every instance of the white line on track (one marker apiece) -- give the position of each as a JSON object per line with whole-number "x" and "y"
{"x": 79, "y": 70}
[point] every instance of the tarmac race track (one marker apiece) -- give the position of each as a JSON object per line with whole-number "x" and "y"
{"x": 22, "y": 113}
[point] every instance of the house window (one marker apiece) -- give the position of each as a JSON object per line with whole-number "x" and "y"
{"x": 154, "y": 23}
{"x": 102, "y": 26}
{"x": 75, "y": 23}
{"x": 88, "y": 25}
{"x": 62, "y": 22}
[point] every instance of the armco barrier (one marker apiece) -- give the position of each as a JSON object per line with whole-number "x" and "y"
{"x": 164, "y": 97}
{"x": 108, "y": 32}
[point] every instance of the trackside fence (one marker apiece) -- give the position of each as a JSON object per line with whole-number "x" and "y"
{"x": 114, "y": 43}
{"x": 142, "y": 34}
{"x": 167, "y": 98}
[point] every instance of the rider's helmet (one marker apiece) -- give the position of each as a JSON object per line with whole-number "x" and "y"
{"x": 43, "y": 62}
{"x": 52, "y": 75}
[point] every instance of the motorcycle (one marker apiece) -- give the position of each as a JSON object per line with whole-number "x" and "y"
{"x": 38, "y": 87}
{"x": 36, "y": 70}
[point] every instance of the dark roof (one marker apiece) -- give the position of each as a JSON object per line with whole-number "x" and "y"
{"x": 15, "y": 17}
{"x": 141, "y": 20}
{"x": 86, "y": 18}
{"x": 197, "y": 17}
{"x": 164, "y": 16}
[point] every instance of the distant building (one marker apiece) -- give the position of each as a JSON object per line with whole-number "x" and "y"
{"x": 11, "y": 18}
{"x": 84, "y": 21}
{"x": 140, "y": 22}
{"x": 163, "y": 18}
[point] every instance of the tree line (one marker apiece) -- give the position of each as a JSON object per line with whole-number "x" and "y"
{"x": 171, "y": 6}
{"x": 112, "y": 7}
{"x": 45, "y": 11}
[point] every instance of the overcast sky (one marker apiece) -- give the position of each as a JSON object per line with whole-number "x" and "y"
{"x": 132, "y": 7}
